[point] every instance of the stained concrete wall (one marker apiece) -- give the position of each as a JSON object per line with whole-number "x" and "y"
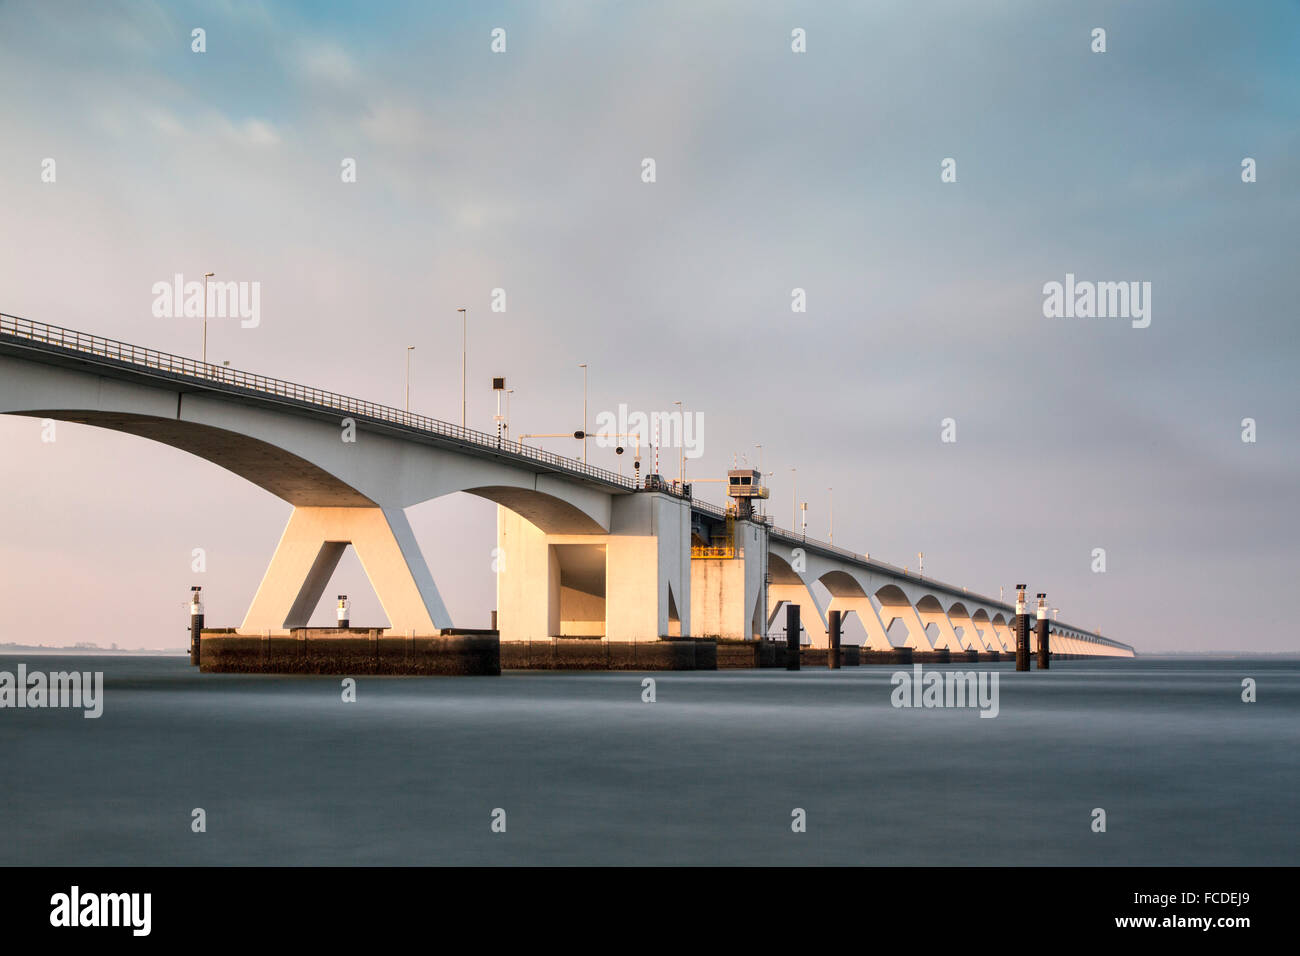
{"x": 728, "y": 595}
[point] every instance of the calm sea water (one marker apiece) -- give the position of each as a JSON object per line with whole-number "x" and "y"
{"x": 709, "y": 774}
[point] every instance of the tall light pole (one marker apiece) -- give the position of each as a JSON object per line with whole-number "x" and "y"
{"x": 464, "y": 352}
{"x": 409, "y": 350}
{"x": 206, "y": 277}
{"x": 832, "y": 494}
{"x": 583, "y": 366}
{"x": 681, "y": 455}
{"x": 509, "y": 392}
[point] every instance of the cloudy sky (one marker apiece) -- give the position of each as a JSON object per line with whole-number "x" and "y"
{"x": 775, "y": 170}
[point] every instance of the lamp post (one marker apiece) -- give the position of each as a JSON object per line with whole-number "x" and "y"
{"x": 583, "y": 366}
{"x": 832, "y": 515}
{"x": 509, "y": 392}
{"x": 409, "y": 350}
{"x": 206, "y": 277}
{"x": 464, "y": 352}
{"x": 681, "y": 443}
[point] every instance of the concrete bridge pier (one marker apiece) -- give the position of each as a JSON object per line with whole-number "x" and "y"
{"x": 930, "y": 611}
{"x": 620, "y": 599}
{"x": 275, "y": 637}
{"x": 796, "y": 595}
{"x": 309, "y": 550}
{"x": 728, "y": 594}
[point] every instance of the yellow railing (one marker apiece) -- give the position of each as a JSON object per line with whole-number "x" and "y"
{"x": 702, "y": 551}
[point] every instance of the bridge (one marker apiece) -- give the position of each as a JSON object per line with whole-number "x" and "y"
{"x": 583, "y": 551}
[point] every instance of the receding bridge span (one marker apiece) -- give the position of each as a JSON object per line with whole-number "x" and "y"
{"x": 585, "y": 551}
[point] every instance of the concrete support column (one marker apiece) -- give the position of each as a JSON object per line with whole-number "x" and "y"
{"x": 877, "y": 639}
{"x": 989, "y": 633}
{"x": 934, "y": 614}
{"x": 528, "y": 580}
{"x": 648, "y": 568}
{"x": 1005, "y": 639}
{"x": 971, "y": 635}
{"x": 814, "y": 620}
{"x": 309, "y": 550}
{"x": 892, "y": 609}
{"x": 728, "y": 594}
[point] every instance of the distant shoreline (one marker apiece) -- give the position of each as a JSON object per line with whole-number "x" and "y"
{"x": 93, "y": 651}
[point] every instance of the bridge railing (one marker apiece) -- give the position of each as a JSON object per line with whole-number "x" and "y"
{"x": 221, "y": 376}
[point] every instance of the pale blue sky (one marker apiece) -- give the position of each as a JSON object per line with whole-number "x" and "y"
{"x": 775, "y": 171}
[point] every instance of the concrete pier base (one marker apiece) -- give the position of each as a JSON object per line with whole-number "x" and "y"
{"x": 850, "y": 656}
{"x": 598, "y": 654}
{"x": 897, "y": 655}
{"x": 735, "y": 654}
{"x": 352, "y": 650}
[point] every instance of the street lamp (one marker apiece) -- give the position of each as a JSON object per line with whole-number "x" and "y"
{"x": 509, "y": 392}
{"x": 206, "y": 277}
{"x": 832, "y": 514}
{"x": 681, "y": 434}
{"x": 409, "y": 350}
{"x": 464, "y": 351}
{"x": 583, "y": 366}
